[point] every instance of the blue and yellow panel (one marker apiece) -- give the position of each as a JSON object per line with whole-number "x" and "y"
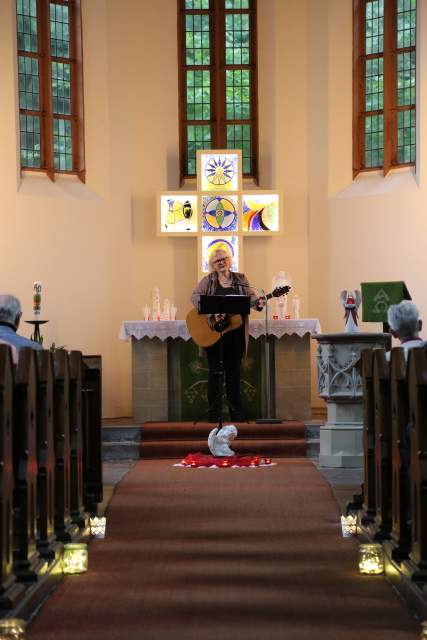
{"x": 261, "y": 214}
{"x": 210, "y": 243}
{"x": 177, "y": 214}
{"x": 219, "y": 170}
{"x": 220, "y": 213}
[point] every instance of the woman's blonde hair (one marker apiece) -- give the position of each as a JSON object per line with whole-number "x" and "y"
{"x": 215, "y": 253}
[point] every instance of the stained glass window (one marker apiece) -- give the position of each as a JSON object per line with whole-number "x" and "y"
{"x": 50, "y": 78}
{"x": 218, "y": 80}
{"x": 384, "y": 84}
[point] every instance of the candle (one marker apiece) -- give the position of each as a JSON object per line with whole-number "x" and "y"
{"x": 37, "y": 297}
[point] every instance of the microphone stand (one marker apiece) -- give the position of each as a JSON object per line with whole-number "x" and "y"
{"x": 267, "y": 357}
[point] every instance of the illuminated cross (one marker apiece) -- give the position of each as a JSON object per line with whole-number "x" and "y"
{"x": 220, "y": 213}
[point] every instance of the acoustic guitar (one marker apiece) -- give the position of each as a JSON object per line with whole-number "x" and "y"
{"x": 205, "y": 335}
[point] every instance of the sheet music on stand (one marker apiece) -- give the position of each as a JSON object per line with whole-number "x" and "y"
{"x": 235, "y": 304}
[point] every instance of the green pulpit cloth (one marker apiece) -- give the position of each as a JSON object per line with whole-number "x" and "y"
{"x": 378, "y": 296}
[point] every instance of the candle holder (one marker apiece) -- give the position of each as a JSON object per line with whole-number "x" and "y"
{"x": 12, "y": 629}
{"x": 98, "y": 526}
{"x": 349, "y": 525}
{"x": 371, "y": 559}
{"x": 75, "y": 558}
{"x": 36, "y": 336}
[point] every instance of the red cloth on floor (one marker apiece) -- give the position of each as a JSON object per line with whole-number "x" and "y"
{"x": 201, "y": 460}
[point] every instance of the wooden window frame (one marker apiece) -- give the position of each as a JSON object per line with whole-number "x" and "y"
{"x": 218, "y": 67}
{"x": 45, "y": 113}
{"x": 390, "y": 106}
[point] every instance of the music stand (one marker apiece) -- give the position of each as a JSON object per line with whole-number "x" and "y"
{"x": 232, "y": 304}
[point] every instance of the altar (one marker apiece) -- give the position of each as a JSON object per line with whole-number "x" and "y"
{"x": 169, "y": 378}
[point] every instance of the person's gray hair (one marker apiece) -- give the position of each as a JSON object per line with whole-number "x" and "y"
{"x": 10, "y": 308}
{"x": 403, "y": 319}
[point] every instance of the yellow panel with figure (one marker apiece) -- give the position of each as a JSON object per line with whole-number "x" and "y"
{"x": 228, "y": 243}
{"x": 219, "y": 170}
{"x": 177, "y": 214}
{"x": 261, "y": 213}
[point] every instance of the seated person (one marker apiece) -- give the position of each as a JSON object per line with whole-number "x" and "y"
{"x": 10, "y": 316}
{"x": 404, "y": 322}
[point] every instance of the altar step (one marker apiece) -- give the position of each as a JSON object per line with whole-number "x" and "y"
{"x": 126, "y": 441}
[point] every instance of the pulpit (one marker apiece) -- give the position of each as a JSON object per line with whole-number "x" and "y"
{"x": 340, "y": 384}
{"x": 169, "y": 378}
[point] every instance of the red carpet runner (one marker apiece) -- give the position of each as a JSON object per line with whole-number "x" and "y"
{"x": 176, "y": 439}
{"x": 232, "y": 554}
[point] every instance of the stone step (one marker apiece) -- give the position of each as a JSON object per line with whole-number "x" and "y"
{"x": 122, "y": 441}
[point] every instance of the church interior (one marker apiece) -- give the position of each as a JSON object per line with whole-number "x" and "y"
{"x": 235, "y": 553}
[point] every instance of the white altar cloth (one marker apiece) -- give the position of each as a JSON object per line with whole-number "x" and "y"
{"x": 164, "y": 329}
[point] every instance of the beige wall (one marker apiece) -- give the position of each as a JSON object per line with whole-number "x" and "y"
{"x": 94, "y": 246}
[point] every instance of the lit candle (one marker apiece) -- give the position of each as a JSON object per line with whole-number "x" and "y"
{"x": 267, "y": 460}
{"x": 225, "y": 463}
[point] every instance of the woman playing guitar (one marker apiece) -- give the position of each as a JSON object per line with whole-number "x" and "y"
{"x": 221, "y": 281}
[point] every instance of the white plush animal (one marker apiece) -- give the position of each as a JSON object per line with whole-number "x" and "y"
{"x": 219, "y": 441}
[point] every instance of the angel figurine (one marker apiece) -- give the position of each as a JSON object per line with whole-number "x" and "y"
{"x": 351, "y": 302}
{"x": 219, "y": 441}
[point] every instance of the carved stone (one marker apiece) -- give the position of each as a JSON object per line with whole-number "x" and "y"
{"x": 340, "y": 384}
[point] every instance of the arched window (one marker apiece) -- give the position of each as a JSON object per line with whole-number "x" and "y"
{"x": 218, "y": 80}
{"x": 384, "y": 84}
{"x": 50, "y": 86}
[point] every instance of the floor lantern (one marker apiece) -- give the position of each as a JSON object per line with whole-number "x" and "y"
{"x": 75, "y": 558}
{"x": 98, "y": 526}
{"x": 371, "y": 559}
{"x": 349, "y": 525}
{"x": 12, "y": 629}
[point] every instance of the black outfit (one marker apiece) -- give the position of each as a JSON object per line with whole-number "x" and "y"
{"x": 232, "y": 347}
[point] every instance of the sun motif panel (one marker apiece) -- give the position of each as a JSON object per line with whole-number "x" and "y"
{"x": 260, "y": 213}
{"x": 178, "y": 213}
{"x": 219, "y": 213}
{"x": 230, "y": 244}
{"x": 219, "y": 171}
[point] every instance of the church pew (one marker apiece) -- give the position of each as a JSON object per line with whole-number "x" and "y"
{"x": 65, "y": 529}
{"x": 400, "y": 512}
{"x": 382, "y": 430}
{"x": 27, "y": 562}
{"x": 92, "y": 436}
{"x": 46, "y": 541}
{"x": 368, "y": 508}
{"x": 10, "y": 591}
{"x": 416, "y": 566}
{"x": 78, "y": 514}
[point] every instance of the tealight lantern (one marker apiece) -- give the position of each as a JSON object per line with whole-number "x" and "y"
{"x": 75, "y": 558}
{"x": 98, "y": 526}
{"x": 371, "y": 559}
{"x": 349, "y": 525}
{"x": 12, "y": 629}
